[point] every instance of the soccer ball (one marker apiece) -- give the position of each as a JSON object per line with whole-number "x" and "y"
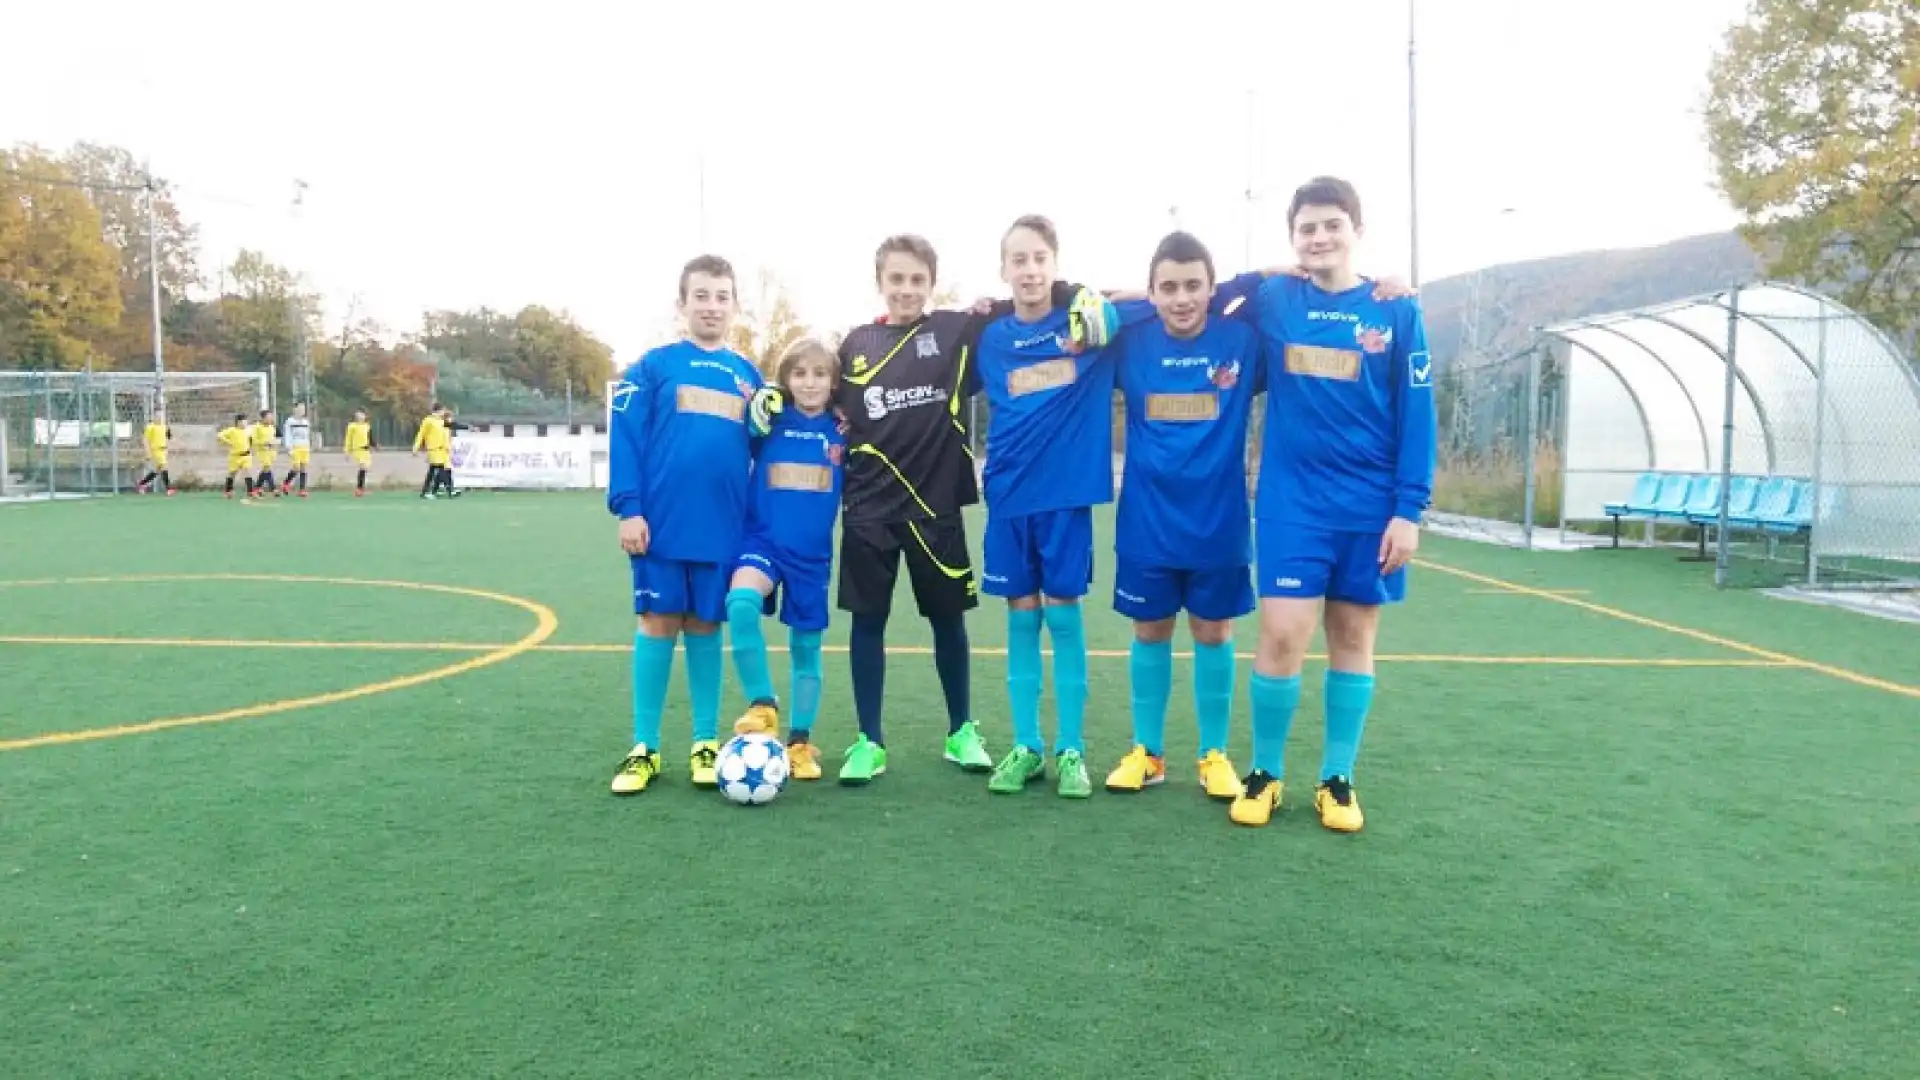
{"x": 753, "y": 769}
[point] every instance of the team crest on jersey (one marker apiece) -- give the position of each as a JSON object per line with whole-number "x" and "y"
{"x": 745, "y": 387}
{"x": 860, "y": 364}
{"x": 1224, "y": 376}
{"x": 1373, "y": 339}
{"x": 925, "y": 347}
{"x": 834, "y": 454}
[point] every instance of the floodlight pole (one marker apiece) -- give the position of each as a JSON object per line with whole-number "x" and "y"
{"x": 153, "y": 282}
{"x": 1726, "y": 436}
{"x": 1413, "y": 156}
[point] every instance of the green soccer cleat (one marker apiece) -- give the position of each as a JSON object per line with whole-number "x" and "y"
{"x": 1074, "y": 781}
{"x": 968, "y": 750}
{"x": 865, "y": 760}
{"x": 1019, "y": 768}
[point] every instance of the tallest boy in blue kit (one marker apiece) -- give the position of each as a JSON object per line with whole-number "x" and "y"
{"x": 1346, "y": 473}
{"x": 680, "y": 456}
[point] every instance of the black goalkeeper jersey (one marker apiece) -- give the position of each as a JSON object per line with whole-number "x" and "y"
{"x": 903, "y": 390}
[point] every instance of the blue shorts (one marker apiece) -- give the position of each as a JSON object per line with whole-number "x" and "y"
{"x": 670, "y": 587}
{"x": 800, "y": 585}
{"x": 1148, "y": 593}
{"x": 1304, "y": 562}
{"x": 1044, "y": 554}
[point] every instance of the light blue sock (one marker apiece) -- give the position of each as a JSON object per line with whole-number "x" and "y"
{"x": 652, "y": 667}
{"x": 749, "y": 643}
{"x": 1349, "y": 696}
{"x": 1213, "y": 693}
{"x": 1069, "y": 636}
{"x": 1151, "y": 665}
{"x": 803, "y": 646}
{"x": 1023, "y": 677}
{"x": 703, "y": 683}
{"x": 1274, "y": 701}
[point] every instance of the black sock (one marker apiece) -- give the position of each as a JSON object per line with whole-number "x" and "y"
{"x": 266, "y": 480}
{"x": 433, "y": 474}
{"x": 950, "y": 660}
{"x": 165, "y": 480}
{"x": 867, "y": 649}
{"x": 303, "y": 479}
{"x": 446, "y": 479}
{"x": 361, "y": 484}
{"x": 229, "y": 483}
{"x": 147, "y": 479}
{"x": 250, "y": 485}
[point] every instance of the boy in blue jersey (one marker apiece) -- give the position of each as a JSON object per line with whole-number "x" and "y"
{"x": 793, "y": 501}
{"x": 1346, "y": 472}
{"x": 1049, "y": 462}
{"x": 1182, "y": 535}
{"x": 680, "y": 460}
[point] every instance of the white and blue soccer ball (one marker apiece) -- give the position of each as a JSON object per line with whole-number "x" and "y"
{"x": 753, "y": 769}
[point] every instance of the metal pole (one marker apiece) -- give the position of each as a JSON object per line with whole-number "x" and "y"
{"x": 1720, "y": 559}
{"x": 1413, "y": 155}
{"x": 1533, "y": 427}
{"x": 273, "y": 386}
{"x": 1819, "y": 447}
{"x": 53, "y": 432}
{"x": 153, "y": 281}
{"x": 569, "y": 403}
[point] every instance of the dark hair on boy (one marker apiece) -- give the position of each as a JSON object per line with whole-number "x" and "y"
{"x": 911, "y": 245}
{"x": 1325, "y": 191}
{"x": 1040, "y": 225}
{"x": 710, "y": 265}
{"x": 1180, "y": 247}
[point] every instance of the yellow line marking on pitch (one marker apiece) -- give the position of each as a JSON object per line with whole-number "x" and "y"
{"x": 898, "y": 650}
{"x": 545, "y": 623}
{"x": 1510, "y": 592}
{"x": 1778, "y": 659}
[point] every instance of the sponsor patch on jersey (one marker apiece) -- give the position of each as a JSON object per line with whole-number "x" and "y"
{"x": 1183, "y": 407}
{"x": 1045, "y": 375}
{"x": 1420, "y": 370}
{"x": 1320, "y": 362}
{"x": 792, "y": 476}
{"x": 699, "y": 399}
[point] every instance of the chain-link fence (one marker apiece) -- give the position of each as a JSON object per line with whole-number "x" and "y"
{"x": 1774, "y": 429}
{"x": 66, "y": 433}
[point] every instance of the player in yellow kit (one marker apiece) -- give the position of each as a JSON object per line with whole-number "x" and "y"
{"x": 298, "y": 434}
{"x": 433, "y": 437}
{"x": 266, "y": 451}
{"x": 237, "y": 439}
{"x": 359, "y": 446}
{"x": 156, "y": 437}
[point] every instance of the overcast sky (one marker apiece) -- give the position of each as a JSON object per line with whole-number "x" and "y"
{"x": 459, "y": 154}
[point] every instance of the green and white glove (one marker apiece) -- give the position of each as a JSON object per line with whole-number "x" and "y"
{"x": 766, "y": 403}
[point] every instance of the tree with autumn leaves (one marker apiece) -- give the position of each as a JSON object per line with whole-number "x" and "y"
{"x": 75, "y": 290}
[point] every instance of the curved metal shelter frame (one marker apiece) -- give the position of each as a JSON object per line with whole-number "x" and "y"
{"x": 1769, "y": 379}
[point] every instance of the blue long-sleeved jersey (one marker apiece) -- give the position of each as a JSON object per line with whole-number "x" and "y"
{"x": 795, "y": 491}
{"x": 1183, "y": 497}
{"x": 1050, "y": 435}
{"x": 1350, "y": 432}
{"x": 679, "y": 454}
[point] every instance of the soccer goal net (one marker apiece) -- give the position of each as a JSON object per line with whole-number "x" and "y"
{"x": 81, "y": 433}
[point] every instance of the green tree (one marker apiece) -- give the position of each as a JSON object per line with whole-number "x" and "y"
{"x": 115, "y": 183}
{"x": 265, "y": 317}
{"x": 58, "y": 288}
{"x": 1813, "y": 116}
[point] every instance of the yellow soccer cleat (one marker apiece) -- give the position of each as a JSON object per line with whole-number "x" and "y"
{"x": 803, "y": 761}
{"x": 1258, "y": 801}
{"x": 761, "y": 718}
{"x": 703, "y": 763}
{"x": 1339, "y": 805}
{"x": 1137, "y": 771}
{"x": 1218, "y": 777}
{"x": 635, "y": 773}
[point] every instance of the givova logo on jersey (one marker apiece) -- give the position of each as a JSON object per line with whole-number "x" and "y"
{"x": 881, "y": 400}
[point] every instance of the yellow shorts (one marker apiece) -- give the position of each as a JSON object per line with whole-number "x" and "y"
{"x": 159, "y": 459}
{"x": 300, "y": 457}
{"x": 265, "y": 461}
{"x": 238, "y": 464}
{"x": 361, "y": 458}
{"x": 438, "y": 457}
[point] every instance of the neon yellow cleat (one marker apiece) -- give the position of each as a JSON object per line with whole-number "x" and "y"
{"x": 1339, "y": 805}
{"x": 1218, "y": 777}
{"x": 703, "y": 763}
{"x": 1256, "y": 804}
{"x": 637, "y": 771}
{"x": 1137, "y": 771}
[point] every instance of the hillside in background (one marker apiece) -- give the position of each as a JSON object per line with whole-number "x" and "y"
{"x": 1516, "y": 297}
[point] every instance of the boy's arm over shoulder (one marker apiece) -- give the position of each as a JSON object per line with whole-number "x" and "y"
{"x": 1417, "y": 422}
{"x": 632, "y": 406}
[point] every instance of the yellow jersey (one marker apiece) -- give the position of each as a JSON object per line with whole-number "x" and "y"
{"x": 236, "y": 441}
{"x": 156, "y": 437}
{"x": 263, "y": 439}
{"x": 432, "y": 435}
{"x": 359, "y": 438}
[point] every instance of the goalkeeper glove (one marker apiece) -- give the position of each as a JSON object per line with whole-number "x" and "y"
{"x": 1092, "y": 320}
{"x": 766, "y": 403}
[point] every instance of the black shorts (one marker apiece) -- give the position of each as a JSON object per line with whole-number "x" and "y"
{"x": 937, "y": 561}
